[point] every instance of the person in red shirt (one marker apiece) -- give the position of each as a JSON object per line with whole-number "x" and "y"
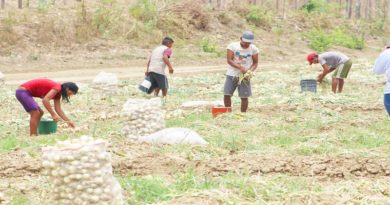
{"x": 46, "y": 90}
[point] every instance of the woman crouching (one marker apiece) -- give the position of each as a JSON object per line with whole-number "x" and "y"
{"x": 46, "y": 90}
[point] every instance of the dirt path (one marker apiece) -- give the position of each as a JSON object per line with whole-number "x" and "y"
{"x": 85, "y": 75}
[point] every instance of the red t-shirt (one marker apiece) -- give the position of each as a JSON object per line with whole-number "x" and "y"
{"x": 40, "y": 87}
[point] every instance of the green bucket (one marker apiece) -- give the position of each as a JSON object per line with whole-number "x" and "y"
{"x": 47, "y": 127}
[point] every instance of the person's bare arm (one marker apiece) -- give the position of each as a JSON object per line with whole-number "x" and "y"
{"x": 168, "y": 63}
{"x": 57, "y": 107}
{"x": 230, "y": 61}
{"x": 147, "y": 67}
{"x": 255, "y": 59}
{"x": 325, "y": 71}
{"x": 46, "y": 102}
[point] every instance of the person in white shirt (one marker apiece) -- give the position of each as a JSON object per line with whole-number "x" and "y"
{"x": 242, "y": 56}
{"x": 382, "y": 66}
{"x": 158, "y": 60}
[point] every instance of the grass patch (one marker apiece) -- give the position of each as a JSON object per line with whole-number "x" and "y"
{"x": 19, "y": 199}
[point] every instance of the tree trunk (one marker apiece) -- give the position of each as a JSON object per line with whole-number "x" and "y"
{"x": 358, "y": 9}
{"x": 385, "y": 5}
{"x": 20, "y": 4}
{"x": 349, "y": 9}
{"x": 2, "y": 4}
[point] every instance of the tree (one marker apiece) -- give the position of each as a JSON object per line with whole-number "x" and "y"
{"x": 2, "y": 4}
{"x": 358, "y": 7}
{"x": 20, "y": 4}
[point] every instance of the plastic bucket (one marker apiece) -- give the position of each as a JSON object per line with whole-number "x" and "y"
{"x": 309, "y": 85}
{"x": 47, "y": 127}
{"x": 219, "y": 110}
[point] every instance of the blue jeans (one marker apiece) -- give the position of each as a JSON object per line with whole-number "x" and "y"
{"x": 387, "y": 102}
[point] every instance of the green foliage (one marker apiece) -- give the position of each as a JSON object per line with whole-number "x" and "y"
{"x": 19, "y": 199}
{"x": 144, "y": 10}
{"x": 106, "y": 17}
{"x": 208, "y": 46}
{"x": 189, "y": 181}
{"x": 8, "y": 22}
{"x": 319, "y": 6}
{"x": 149, "y": 190}
{"x": 259, "y": 16}
{"x": 321, "y": 41}
{"x": 346, "y": 39}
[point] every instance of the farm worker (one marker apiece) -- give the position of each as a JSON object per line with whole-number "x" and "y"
{"x": 242, "y": 57}
{"x": 46, "y": 90}
{"x": 332, "y": 61}
{"x": 382, "y": 66}
{"x": 158, "y": 60}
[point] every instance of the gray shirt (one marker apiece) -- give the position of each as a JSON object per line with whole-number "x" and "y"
{"x": 332, "y": 59}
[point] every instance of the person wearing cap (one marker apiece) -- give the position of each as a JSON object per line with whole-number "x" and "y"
{"x": 155, "y": 68}
{"x": 335, "y": 62}
{"x": 382, "y": 66}
{"x": 242, "y": 56}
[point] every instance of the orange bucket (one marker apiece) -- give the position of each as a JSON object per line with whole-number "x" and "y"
{"x": 219, "y": 110}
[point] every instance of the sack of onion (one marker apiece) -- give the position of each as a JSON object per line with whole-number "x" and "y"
{"x": 143, "y": 117}
{"x": 80, "y": 172}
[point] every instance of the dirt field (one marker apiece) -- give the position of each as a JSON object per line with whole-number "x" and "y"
{"x": 291, "y": 148}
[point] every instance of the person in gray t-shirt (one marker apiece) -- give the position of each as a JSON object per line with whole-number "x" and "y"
{"x": 332, "y": 61}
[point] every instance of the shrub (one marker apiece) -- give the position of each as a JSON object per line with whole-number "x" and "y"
{"x": 144, "y": 10}
{"x": 259, "y": 16}
{"x": 345, "y": 39}
{"x": 319, "y": 40}
{"x": 210, "y": 46}
{"x": 319, "y": 6}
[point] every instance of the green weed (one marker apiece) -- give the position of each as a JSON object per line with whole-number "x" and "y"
{"x": 19, "y": 199}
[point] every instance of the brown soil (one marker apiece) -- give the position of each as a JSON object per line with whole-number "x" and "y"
{"x": 20, "y": 164}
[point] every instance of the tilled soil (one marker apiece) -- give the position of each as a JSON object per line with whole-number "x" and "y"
{"x": 20, "y": 164}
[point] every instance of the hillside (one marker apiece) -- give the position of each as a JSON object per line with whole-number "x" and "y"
{"x": 91, "y": 34}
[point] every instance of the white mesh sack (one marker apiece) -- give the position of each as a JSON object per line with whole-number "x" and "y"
{"x": 143, "y": 117}
{"x": 106, "y": 82}
{"x": 80, "y": 172}
{"x": 175, "y": 136}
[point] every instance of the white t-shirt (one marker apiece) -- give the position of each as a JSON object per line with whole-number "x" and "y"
{"x": 241, "y": 56}
{"x": 157, "y": 64}
{"x": 382, "y": 66}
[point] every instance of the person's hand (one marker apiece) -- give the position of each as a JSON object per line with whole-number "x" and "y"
{"x": 71, "y": 124}
{"x": 56, "y": 118}
{"x": 319, "y": 78}
{"x": 242, "y": 69}
{"x": 171, "y": 70}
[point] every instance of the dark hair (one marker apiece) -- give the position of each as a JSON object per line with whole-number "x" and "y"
{"x": 167, "y": 40}
{"x": 70, "y": 86}
{"x": 388, "y": 47}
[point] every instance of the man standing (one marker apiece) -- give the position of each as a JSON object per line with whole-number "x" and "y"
{"x": 158, "y": 60}
{"x": 332, "y": 61}
{"x": 242, "y": 56}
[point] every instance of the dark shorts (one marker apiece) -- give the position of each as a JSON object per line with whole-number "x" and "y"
{"x": 26, "y": 100}
{"x": 231, "y": 84}
{"x": 158, "y": 81}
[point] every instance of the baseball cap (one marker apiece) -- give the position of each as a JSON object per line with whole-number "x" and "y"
{"x": 310, "y": 57}
{"x": 248, "y": 37}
